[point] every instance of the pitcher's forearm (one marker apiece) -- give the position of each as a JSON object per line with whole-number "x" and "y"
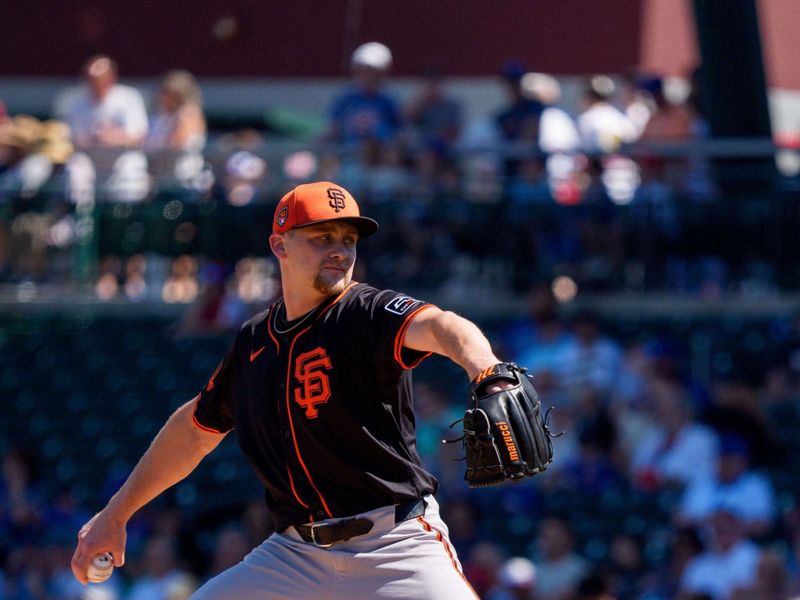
{"x": 464, "y": 343}
{"x": 453, "y": 336}
{"x": 174, "y": 454}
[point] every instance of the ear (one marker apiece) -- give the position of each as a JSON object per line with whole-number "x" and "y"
{"x": 277, "y": 244}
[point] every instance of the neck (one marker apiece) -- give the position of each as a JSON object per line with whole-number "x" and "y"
{"x": 298, "y": 305}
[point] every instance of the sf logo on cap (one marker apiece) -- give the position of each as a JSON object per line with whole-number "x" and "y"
{"x": 336, "y": 199}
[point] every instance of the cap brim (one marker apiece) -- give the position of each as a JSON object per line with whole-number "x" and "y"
{"x": 364, "y": 225}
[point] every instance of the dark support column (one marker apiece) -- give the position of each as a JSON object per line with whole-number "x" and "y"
{"x": 733, "y": 87}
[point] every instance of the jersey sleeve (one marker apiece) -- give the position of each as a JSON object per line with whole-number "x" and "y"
{"x": 215, "y": 403}
{"x": 391, "y": 314}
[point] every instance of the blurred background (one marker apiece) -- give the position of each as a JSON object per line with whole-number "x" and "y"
{"x": 609, "y": 189}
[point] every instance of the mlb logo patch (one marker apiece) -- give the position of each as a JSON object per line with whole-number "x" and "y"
{"x": 282, "y": 215}
{"x": 400, "y": 305}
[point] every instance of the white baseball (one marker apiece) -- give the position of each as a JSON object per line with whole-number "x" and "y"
{"x": 100, "y": 568}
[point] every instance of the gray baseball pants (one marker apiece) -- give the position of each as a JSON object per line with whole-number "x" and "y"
{"x": 410, "y": 560}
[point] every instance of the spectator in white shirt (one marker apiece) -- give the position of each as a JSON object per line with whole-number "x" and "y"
{"x": 729, "y": 563}
{"x": 108, "y": 122}
{"x": 602, "y": 126}
{"x": 734, "y": 486}
{"x": 675, "y": 449}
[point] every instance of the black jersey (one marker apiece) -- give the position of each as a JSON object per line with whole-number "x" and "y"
{"x": 322, "y": 406}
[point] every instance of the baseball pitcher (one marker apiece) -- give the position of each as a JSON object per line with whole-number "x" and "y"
{"x": 317, "y": 390}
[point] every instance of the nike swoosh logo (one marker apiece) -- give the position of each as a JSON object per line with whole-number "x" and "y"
{"x": 254, "y": 355}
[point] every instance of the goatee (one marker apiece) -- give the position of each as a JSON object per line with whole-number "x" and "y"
{"x": 329, "y": 288}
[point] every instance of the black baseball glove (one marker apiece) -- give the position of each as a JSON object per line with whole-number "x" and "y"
{"x": 505, "y": 434}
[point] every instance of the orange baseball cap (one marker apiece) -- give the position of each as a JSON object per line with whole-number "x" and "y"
{"x": 320, "y": 202}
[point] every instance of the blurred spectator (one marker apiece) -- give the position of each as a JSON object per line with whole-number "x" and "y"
{"x": 589, "y": 361}
{"x": 627, "y": 570}
{"x": 256, "y": 522}
{"x": 230, "y": 548}
{"x": 63, "y": 516}
{"x": 604, "y": 129}
{"x": 436, "y": 175}
{"x": 519, "y": 121}
{"x": 637, "y": 98}
{"x": 464, "y": 517}
{"x": 161, "y": 576}
{"x": 218, "y": 306}
{"x": 245, "y": 174}
{"x": 557, "y": 131}
{"x": 748, "y": 495}
{"x": 558, "y": 138}
{"x": 559, "y": 568}
{"x": 434, "y": 415}
{"x": 602, "y": 126}
{"x": 529, "y": 186}
{"x": 675, "y": 449}
{"x": 30, "y": 150}
{"x": 22, "y": 500}
{"x": 669, "y": 122}
{"x": 772, "y": 581}
{"x": 432, "y": 113}
{"x": 685, "y": 544}
{"x": 594, "y": 587}
{"x": 177, "y": 132}
{"x": 520, "y": 335}
{"x": 516, "y": 580}
{"x": 182, "y": 285}
{"x": 730, "y": 561}
{"x": 551, "y": 339}
{"x": 591, "y": 471}
{"x": 366, "y": 111}
{"x": 482, "y": 566}
{"x": 391, "y": 178}
{"x": 108, "y": 122}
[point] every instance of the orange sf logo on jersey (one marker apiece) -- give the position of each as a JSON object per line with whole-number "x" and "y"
{"x": 315, "y": 387}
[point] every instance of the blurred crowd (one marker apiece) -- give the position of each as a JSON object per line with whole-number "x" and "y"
{"x": 664, "y": 486}
{"x": 113, "y": 147}
{"x": 422, "y": 160}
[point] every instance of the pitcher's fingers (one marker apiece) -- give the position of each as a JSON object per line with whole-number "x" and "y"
{"x": 79, "y": 566}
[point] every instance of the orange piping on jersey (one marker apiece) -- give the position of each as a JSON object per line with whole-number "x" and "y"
{"x": 399, "y": 339}
{"x": 210, "y": 385}
{"x": 441, "y": 539}
{"x": 289, "y": 408}
{"x": 269, "y": 328}
{"x": 291, "y": 423}
{"x": 294, "y": 491}
{"x": 199, "y": 424}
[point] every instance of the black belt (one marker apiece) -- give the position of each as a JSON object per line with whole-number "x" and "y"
{"x": 327, "y": 534}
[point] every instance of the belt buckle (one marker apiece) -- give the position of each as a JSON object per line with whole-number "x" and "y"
{"x": 314, "y": 527}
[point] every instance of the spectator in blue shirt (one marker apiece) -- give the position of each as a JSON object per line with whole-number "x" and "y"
{"x": 365, "y": 112}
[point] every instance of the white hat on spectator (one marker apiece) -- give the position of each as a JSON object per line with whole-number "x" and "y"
{"x": 517, "y": 572}
{"x": 374, "y": 55}
{"x": 542, "y": 87}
